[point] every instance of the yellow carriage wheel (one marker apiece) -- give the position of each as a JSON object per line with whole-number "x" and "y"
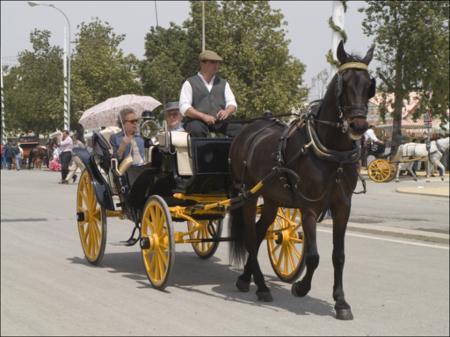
{"x": 209, "y": 229}
{"x": 285, "y": 244}
{"x": 157, "y": 242}
{"x": 380, "y": 170}
{"x": 393, "y": 171}
{"x": 91, "y": 218}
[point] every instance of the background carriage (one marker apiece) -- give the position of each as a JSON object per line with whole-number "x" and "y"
{"x": 383, "y": 170}
{"x": 185, "y": 180}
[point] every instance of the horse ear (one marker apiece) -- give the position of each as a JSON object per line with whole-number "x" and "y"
{"x": 341, "y": 53}
{"x": 369, "y": 55}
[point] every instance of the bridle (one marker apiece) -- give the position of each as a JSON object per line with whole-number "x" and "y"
{"x": 354, "y": 110}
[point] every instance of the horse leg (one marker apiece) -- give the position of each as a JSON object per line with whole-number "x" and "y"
{"x": 437, "y": 163}
{"x": 341, "y": 213}
{"x": 399, "y": 168}
{"x": 410, "y": 170}
{"x": 268, "y": 214}
{"x": 254, "y": 235}
{"x": 302, "y": 287}
{"x": 247, "y": 217}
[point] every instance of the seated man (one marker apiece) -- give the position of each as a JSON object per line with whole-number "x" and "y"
{"x": 128, "y": 142}
{"x": 173, "y": 117}
{"x": 206, "y": 100}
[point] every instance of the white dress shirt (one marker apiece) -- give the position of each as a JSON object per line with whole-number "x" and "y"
{"x": 186, "y": 94}
{"x": 370, "y": 135}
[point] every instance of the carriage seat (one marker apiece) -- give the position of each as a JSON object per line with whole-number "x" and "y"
{"x": 177, "y": 142}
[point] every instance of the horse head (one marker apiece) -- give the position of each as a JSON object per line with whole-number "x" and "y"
{"x": 354, "y": 87}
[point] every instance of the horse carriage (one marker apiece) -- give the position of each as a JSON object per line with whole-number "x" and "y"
{"x": 308, "y": 165}
{"x": 184, "y": 180}
{"x": 383, "y": 170}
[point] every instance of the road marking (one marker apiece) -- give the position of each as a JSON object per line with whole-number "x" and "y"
{"x": 24, "y": 220}
{"x": 388, "y": 240}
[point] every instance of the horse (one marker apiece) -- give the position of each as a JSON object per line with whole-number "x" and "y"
{"x": 315, "y": 161}
{"x": 37, "y": 156}
{"x": 418, "y": 152}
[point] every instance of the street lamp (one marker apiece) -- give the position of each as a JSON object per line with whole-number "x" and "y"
{"x": 67, "y": 68}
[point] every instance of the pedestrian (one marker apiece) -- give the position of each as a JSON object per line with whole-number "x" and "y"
{"x": 16, "y": 155}
{"x": 54, "y": 163}
{"x": 3, "y": 148}
{"x": 76, "y": 162}
{"x": 66, "y": 155}
{"x": 206, "y": 100}
{"x": 8, "y": 155}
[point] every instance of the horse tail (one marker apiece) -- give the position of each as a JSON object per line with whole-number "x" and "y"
{"x": 237, "y": 233}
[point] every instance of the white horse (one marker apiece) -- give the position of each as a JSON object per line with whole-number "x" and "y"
{"x": 410, "y": 152}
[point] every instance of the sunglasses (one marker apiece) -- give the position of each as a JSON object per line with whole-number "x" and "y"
{"x": 133, "y": 121}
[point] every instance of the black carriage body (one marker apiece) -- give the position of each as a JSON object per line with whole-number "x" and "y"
{"x": 210, "y": 174}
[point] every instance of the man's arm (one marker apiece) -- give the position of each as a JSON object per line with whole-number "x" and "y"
{"x": 230, "y": 104}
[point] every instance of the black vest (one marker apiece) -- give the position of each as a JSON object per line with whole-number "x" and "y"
{"x": 209, "y": 102}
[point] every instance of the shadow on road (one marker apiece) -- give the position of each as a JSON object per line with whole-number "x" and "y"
{"x": 191, "y": 273}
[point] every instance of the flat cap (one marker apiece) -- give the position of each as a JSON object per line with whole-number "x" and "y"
{"x": 209, "y": 55}
{"x": 171, "y": 106}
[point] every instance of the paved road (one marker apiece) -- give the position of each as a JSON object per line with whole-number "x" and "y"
{"x": 395, "y": 286}
{"x": 383, "y": 205}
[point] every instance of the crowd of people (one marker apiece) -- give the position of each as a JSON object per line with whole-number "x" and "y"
{"x": 12, "y": 155}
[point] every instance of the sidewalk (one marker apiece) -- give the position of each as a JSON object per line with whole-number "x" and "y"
{"x": 403, "y": 233}
{"x": 432, "y": 187}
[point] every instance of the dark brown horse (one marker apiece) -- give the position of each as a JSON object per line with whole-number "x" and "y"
{"x": 37, "y": 156}
{"x": 314, "y": 161}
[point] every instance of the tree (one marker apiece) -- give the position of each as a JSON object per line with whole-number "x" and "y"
{"x": 249, "y": 35}
{"x": 30, "y": 105}
{"x": 412, "y": 39}
{"x": 100, "y": 70}
{"x": 166, "y": 52}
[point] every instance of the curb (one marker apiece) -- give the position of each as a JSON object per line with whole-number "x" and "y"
{"x": 421, "y": 190}
{"x": 393, "y": 231}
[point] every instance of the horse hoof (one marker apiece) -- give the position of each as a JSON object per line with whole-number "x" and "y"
{"x": 344, "y": 314}
{"x": 397, "y": 180}
{"x": 242, "y": 285}
{"x": 298, "y": 290}
{"x": 264, "y": 296}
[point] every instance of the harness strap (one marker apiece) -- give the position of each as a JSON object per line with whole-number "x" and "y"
{"x": 340, "y": 157}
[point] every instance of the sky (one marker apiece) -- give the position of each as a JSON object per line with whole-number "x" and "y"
{"x": 307, "y": 25}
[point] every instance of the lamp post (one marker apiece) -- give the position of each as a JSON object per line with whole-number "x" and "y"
{"x": 67, "y": 68}
{"x": 4, "y": 138}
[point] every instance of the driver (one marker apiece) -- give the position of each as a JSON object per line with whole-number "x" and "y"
{"x": 206, "y": 100}
{"x": 128, "y": 142}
